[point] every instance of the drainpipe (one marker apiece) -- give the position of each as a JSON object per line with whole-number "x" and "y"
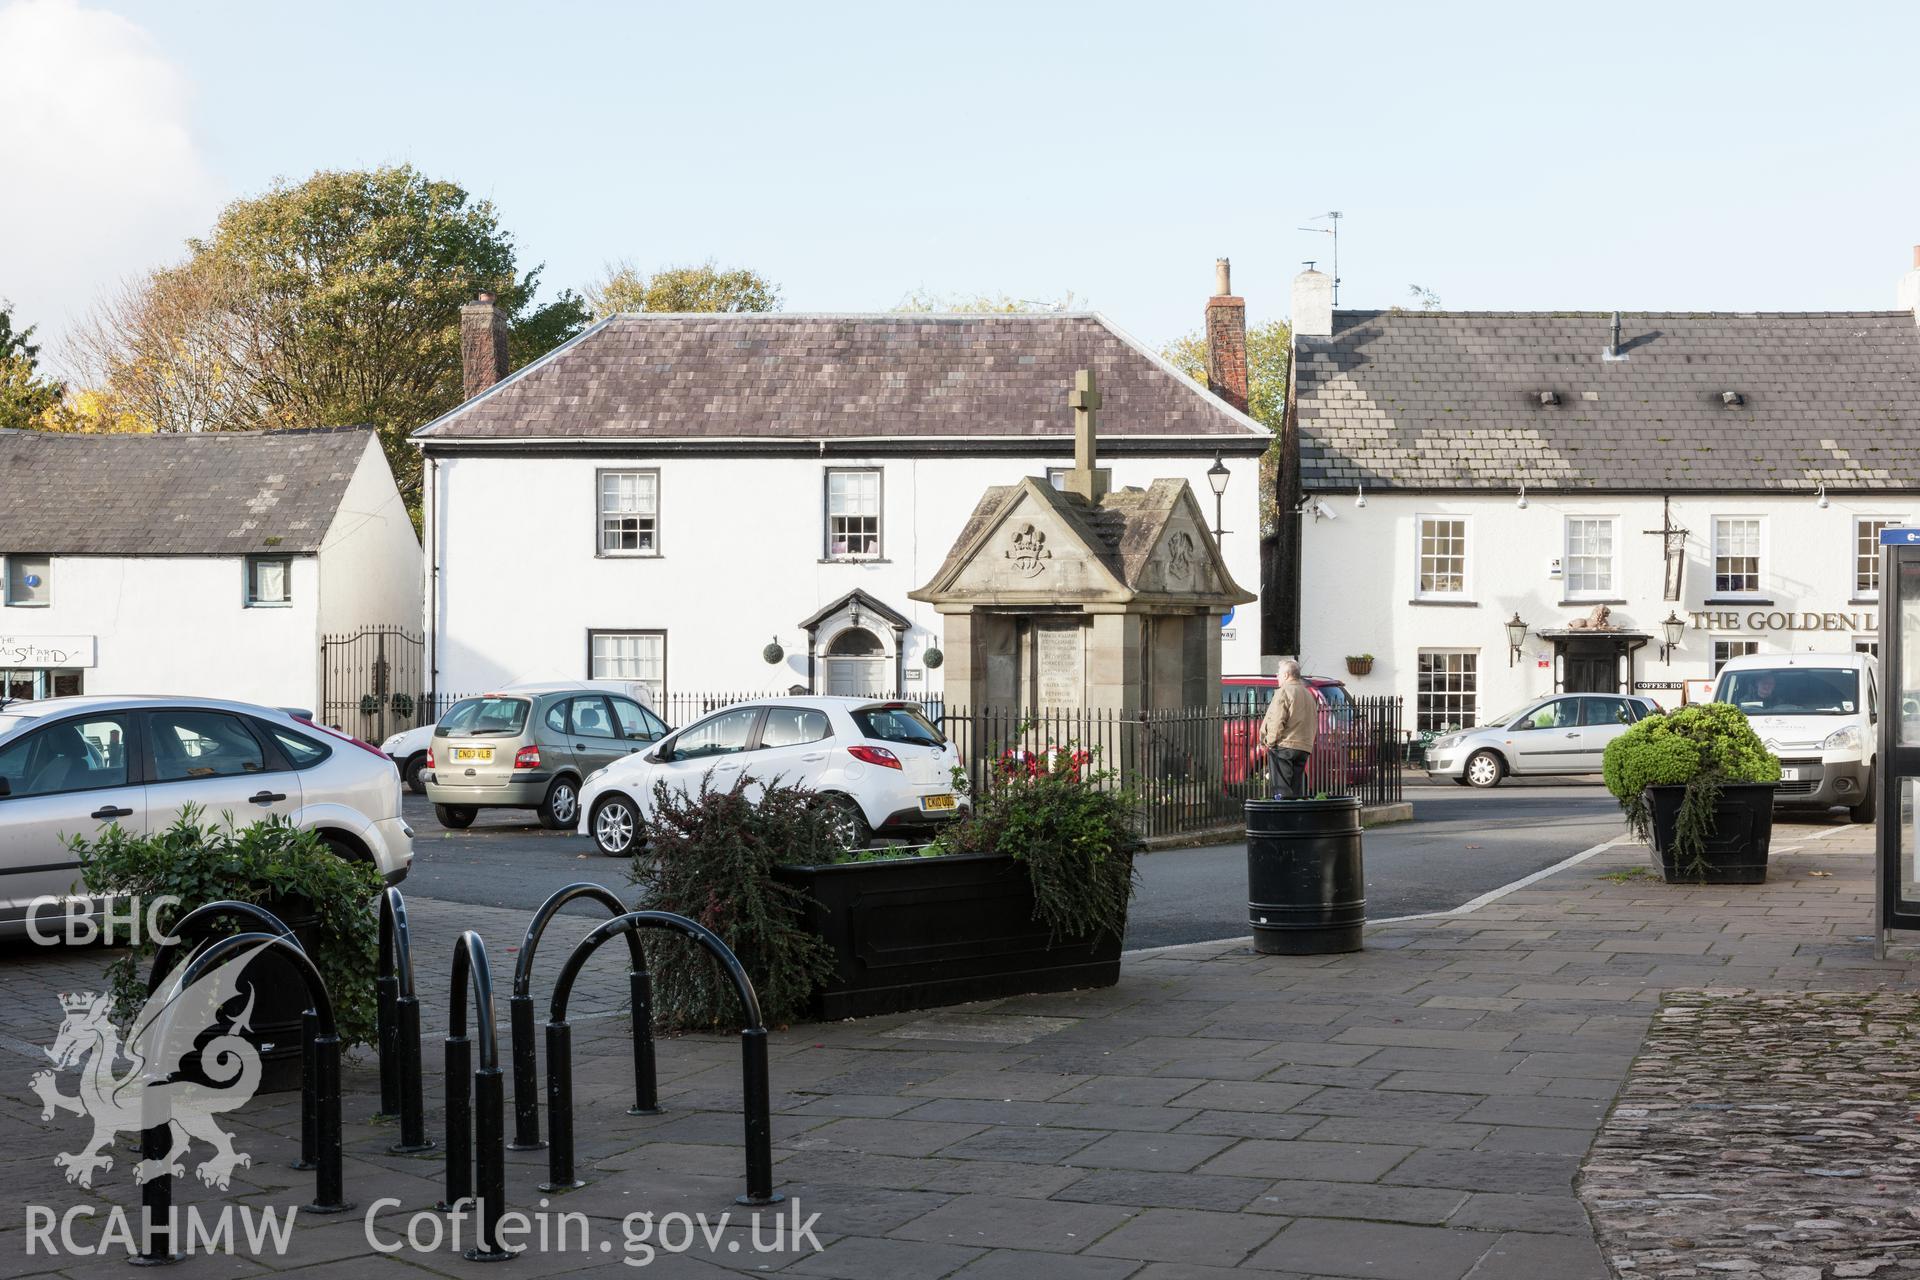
{"x": 433, "y": 583}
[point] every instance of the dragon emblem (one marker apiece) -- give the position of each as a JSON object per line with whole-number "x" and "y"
{"x": 162, "y": 1040}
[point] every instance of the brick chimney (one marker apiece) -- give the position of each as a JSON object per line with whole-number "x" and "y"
{"x": 1312, "y": 304}
{"x": 1910, "y": 287}
{"x": 483, "y": 345}
{"x": 1227, "y": 339}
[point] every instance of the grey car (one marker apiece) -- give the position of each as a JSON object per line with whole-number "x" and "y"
{"x": 1564, "y": 733}
{"x": 528, "y": 748}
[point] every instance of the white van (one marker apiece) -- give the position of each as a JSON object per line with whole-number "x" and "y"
{"x": 1820, "y": 713}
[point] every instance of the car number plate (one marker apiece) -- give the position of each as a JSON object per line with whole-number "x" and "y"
{"x": 480, "y": 754}
{"x": 931, "y": 803}
{"x": 1789, "y": 775}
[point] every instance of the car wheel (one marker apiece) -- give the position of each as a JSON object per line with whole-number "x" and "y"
{"x": 561, "y": 808}
{"x": 456, "y": 817}
{"x": 615, "y": 826}
{"x": 849, "y": 825}
{"x": 1484, "y": 769}
{"x": 411, "y": 773}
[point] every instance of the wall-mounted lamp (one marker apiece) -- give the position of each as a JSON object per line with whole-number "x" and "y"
{"x": 1822, "y": 504}
{"x": 1674, "y": 627}
{"x": 1360, "y": 494}
{"x": 1522, "y": 504}
{"x": 1516, "y": 637}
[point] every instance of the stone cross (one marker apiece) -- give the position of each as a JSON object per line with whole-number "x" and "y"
{"x": 1086, "y": 478}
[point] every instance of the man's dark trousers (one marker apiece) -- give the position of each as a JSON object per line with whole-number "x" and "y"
{"x": 1287, "y": 766}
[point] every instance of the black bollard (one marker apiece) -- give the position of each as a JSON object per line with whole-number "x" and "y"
{"x": 758, "y": 1107}
{"x": 309, "y": 1069}
{"x": 413, "y": 1117}
{"x": 646, "y": 1089}
{"x": 489, "y": 1089}
{"x": 387, "y": 993}
{"x": 329, "y": 1182}
{"x": 560, "y": 1110}
{"x": 526, "y": 1103}
{"x": 156, "y": 1193}
{"x": 459, "y": 1121}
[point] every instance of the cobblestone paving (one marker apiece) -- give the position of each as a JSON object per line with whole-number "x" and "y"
{"x": 1766, "y": 1135}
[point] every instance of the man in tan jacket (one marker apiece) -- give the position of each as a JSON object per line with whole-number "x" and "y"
{"x": 1292, "y": 719}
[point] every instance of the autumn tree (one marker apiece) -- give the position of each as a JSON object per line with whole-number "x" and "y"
{"x": 331, "y": 302}
{"x": 704, "y": 287}
{"x": 24, "y": 394}
{"x": 1269, "y": 353}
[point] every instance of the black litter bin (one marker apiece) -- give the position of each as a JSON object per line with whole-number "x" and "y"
{"x": 1306, "y": 886}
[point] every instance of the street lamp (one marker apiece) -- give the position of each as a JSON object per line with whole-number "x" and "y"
{"x": 1675, "y": 627}
{"x": 1516, "y": 637}
{"x": 1217, "y": 477}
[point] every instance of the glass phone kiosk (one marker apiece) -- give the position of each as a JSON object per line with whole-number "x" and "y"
{"x": 1897, "y": 768}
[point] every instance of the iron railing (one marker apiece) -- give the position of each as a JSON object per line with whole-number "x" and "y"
{"x": 370, "y": 682}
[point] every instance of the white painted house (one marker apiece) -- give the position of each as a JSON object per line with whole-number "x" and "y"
{"x": 664, "y": 497}
{"x": 1715, "y": 482}
{"x": 203, "y": 564}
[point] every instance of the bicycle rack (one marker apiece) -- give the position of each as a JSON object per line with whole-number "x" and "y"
{"x": 753, "y": 1056}
{"x": 399, "y": 1029}
{"x": 526, "y": 1070}
{"x": 476, "y": 1139}
{"x": 320, "y": 1085}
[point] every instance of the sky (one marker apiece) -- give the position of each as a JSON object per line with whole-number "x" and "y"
{"x": 1690, "y": 156}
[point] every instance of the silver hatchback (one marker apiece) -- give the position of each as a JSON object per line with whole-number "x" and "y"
{"x": 1565, "y": 733}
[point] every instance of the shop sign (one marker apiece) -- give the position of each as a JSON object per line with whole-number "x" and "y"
{"x": 46, "y": 651}
{"x": 1783, "y": 620}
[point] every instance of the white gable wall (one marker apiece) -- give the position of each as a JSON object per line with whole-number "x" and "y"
{"x": 370, "y": 558}
{"x": 742, "y": 543}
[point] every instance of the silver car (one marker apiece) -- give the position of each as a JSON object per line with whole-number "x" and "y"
{"x": 72, "y": 766}
{"x": 1565, "y": 733}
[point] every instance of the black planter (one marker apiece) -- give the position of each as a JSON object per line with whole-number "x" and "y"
{"x": 1306, "y": 884}
{"x": 921, "y": 932}
{"x": 1736, "y": 852}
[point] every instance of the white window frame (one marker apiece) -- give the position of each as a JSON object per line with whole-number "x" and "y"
{"x": 1854, "y": 558}
{"x": 249, "y": 567}
{"x": 1611, "y": 591}
{"x": 600, "y": 515}
{"x": 1057, "y": 476}
{"x": 1860, "y": 643}
{"x": 1466, "y": 557}
{"x": 1762, "y": 555}
{"x": 1472, "y": 713}
{"x": 879, "y": 514}
{"x": 6, "y": 581}
{"x": 1752, "y": 646}
{"x": 656, "y": 685}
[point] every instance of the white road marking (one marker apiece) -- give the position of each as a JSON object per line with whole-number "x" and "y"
{"x": 1494, "y": 895}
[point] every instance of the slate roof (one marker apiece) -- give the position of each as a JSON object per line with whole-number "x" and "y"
{"x": 803, "y": 377}
{"x": 1451, "y": 400}
{"x": 213, "y": 493}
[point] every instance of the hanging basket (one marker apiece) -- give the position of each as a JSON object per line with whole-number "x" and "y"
{"x": 369, "y": 704}
{"x": 1361, "y": 665}
{"x": 933, "y": 657}
{"x": 403, "y": 706}
{"x": 773, "y": 653}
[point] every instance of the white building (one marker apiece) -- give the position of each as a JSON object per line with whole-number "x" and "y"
{"x": 205, "y": 564}
{"x": 665, "y": 496}
{"x": 1723, "y": 476}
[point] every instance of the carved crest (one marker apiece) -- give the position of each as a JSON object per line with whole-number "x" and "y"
{"x": 1029, "y": 553}
{"x": 1180, "y": 556}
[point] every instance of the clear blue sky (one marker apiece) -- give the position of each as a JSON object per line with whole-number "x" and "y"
{"x": 1535, "y": 155}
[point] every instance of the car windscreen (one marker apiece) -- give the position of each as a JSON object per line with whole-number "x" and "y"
{"x": 485, "y": 717}
{"x": 897, "y": 724}
{"x": 1507, "y": 717}
{"x": 1793, "y": 691}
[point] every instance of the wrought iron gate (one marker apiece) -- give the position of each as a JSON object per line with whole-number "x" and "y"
{"x": 371, "y": 681}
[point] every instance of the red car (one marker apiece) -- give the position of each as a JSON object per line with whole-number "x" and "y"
{"x": 1246, "y": 699}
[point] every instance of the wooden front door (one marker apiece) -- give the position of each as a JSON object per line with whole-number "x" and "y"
{"x": 1589, "y": 668}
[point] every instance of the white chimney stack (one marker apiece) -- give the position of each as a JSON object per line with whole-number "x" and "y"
{"x": 1910, "y": 287}
{"x": 1312, "y": 304}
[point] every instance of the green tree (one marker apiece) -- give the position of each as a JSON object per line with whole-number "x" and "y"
{"x": 25, "y": 396}
{"x": 705, "y": 287}
{"x": 1269, "y": 354}
{"x": 330, "y": 302}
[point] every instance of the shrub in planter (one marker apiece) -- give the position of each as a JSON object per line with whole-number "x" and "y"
{"x": 1074, "y": 831}
{"x": 710, "y": 857}
{"x": 270, "y": 864}
{"x": 1703, "y": 748}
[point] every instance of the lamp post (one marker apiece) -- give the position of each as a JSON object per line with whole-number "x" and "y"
{"x": 1516, "y": 637}
{"x": 1217, "y": 477}
{"x": 1674, "y": 627}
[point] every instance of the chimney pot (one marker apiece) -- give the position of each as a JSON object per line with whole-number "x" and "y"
{"x": 1909, "y": 292}
{"x": 1223, "y": 277}
{"x": 483, "y": 345}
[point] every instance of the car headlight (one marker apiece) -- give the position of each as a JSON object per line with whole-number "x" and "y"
{"x": 600, "y": 772}
{"x": 390, "y": 744}
{"x": 1847, "y": 739}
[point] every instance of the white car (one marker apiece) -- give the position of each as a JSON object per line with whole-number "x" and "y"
{"x": 408, "y": 751}
{"x": 1820, "y": 714}
{"x": 882, "y": 765}
{"x": 71, "y": 766}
